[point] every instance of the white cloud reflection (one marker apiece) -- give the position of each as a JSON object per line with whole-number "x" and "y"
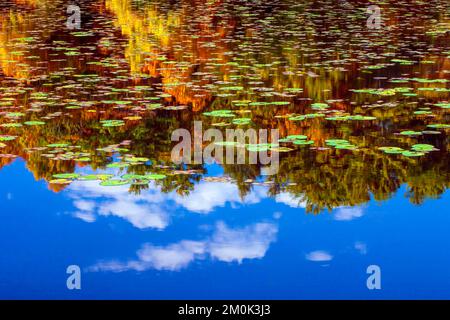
{"x": 290, "y": 200}
{"x": 226, "y": 244}
{"x": 319, "y": 256}
{"x": 209, "y": 195}
{"x": 348, "y": 213}
{"x": 152, "y": 208}
{"x": 361, "y": 247}
{"x": 250, "y": 242}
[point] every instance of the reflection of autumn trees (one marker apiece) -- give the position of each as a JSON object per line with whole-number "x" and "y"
{"x": 173, "y": 42}
{"x": 324, "y": 179}
{"x": 347, "y": 179}
{"x": 306, "y": 45}
{"x": 159, "y": 42}
{"x": 10, "y": 30}
{"x": 151, "y": 139}
{"x": 15, "y": 38}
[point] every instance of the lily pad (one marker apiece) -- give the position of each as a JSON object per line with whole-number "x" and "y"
{"x": 320, "y": 106}
{"x": 34, "y": 123}
{"x": 303, "y": 142}
{"x": 155, "y": 176}
{"x": 58, "y": 145}
{"x": 118, "y": 165}
{"x": 410, "y": 133}
{"x": 11, "y": 125}
{"x": 7, "y": 138}
{"x": 392, "y": 150}
{"x": 94, "y": 177}
{"x": 439, "y": 126}
{"x": 413, "y": 153}
{"x": 60, "y": 181}
{"x": 66, "y": 176}
{"x": 132, "y": 176}
{"x": 114, "y": 183}
{"x": 443, "y": 105}
{"x": 423, "y": 147}
{"x": 242, "y": 121}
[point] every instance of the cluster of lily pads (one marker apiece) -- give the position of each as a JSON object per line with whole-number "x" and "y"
{"x": 417, "y": 150}
{"x": 262, "y": 66}
{"x": 299, "y": 140}
{"x": 107, "y": 180}
{"x": 340, "y": 144}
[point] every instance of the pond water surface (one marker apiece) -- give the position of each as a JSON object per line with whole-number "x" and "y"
{"x": 87, "y": 177}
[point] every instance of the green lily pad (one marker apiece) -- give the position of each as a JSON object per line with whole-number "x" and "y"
{"x": 282, "y": 149}
{"x": 132, "y": 176}
{"x": 14, "y": 114}
{"x": 112, "y": 123}
{"x": 334, "y": 142}
{"x": 114, "y": 183}
{"x": 34, "y": 123}
{"x": 11, "y": 125}
{"x": 413, "y": 154}
{"x": 293, "y": 90}
{"x": 237, "y": 88}
{"x": 443, "y": 105}
{"x": 261, "y": 147}
{"x": 423, "y": 147}
{"x": 155, "y": 176}
{"x": 226, "y": 143}
{"x": 7, "y": 138}
{"x": 60, "y": 181}
{"x": 140, "y": 182}
{"x": 66, "y": 176}
{"x": 392, "y": 150}
{"x": 297, "y": 118}
{"x": 118, "y": 165}
{"x": 303, "y": 142}
{"x": 314, "y": 115}
{"x": 319, "y": 106}
{"x": 58, "y": 145}
{"x": 257, "y": 148}
{"x": 297, "y": 137}
{"x": 410, "y": 133}
{"x": 346, "y": 146}
{"x": 242, "y": 121}
{"x": 439, "y": 126}
{"x": 259, "y": 104}
{"x": 94, "y": 177}
{"x": 280, "y": 103}
{"x": 220, "y": 114}
{"x": 136, "y": 159}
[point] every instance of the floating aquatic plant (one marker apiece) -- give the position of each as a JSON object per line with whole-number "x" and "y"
{"x": 220, "y": 114}
{"x": 95, "y": 177}
{"x": 60, "y": 181}
{"x": 410, "y": 133}
{"x": 340, "y": 144}
{"x": 7, "y": 138}
{"x": 423, "y": 147}
{"x": 114, "y": 182}
{"x": 66, "y": 176}
{"x": 34, "y": 123}
{"x": 392, "y": 150}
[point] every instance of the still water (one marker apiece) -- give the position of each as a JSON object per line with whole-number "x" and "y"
{"x": 87, "y": 177}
